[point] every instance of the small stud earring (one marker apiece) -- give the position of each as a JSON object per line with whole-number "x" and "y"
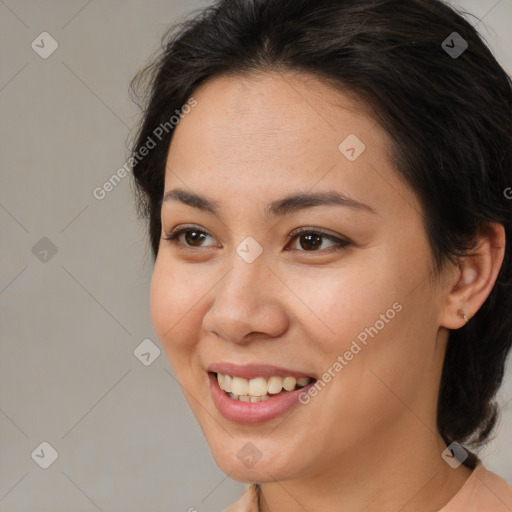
{"x": 463, "y": 315}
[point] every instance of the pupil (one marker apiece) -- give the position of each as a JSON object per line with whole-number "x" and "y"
{"x": 192, "y": 239}
{"x": 311, "y": 237}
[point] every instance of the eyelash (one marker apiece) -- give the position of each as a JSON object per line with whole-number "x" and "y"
{"x": 341, "y": 243}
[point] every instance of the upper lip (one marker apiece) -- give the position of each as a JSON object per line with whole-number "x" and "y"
{"x": 251, "y": 371}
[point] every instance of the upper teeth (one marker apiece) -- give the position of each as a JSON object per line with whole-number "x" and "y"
{"x": 259, "y": 386}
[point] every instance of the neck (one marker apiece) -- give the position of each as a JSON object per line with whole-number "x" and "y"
{"x": 390, "y": 473}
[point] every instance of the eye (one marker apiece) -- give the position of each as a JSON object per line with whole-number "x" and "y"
{"x": 193, "y": 236}
{"x": 309, "y": 238}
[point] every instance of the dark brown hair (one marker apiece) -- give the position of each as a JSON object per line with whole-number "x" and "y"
{"x": 446, "y": 107}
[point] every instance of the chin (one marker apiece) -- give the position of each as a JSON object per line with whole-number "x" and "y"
{"x": 255, "y": 461}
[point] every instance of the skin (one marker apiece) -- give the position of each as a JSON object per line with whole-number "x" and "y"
{"x": 368, "y": 441}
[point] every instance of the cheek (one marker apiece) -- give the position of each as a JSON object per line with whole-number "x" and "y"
{"x": 338, "y": 305}
{"x": 373, "y": 314}
{"x": 173, "y": 302}
{"x": 385, "y": 343}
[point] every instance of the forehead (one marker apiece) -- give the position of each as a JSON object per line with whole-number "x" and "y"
{"x": 273, "y": 103}
{"x": 257, "y": 134}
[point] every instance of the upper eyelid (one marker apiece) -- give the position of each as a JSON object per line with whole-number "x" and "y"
{"x": 295, "y": 232}
{"x": 320, "y": 231}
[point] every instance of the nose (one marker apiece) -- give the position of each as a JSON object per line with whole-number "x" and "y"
{"x": 248, "y": 304}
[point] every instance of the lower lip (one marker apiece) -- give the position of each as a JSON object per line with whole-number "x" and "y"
{"x": 249, "y": 412}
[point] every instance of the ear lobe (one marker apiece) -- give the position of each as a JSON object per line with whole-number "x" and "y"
{"x": 475, "y": 278}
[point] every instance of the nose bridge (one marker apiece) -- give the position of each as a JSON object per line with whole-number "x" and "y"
{"x": 248, "y": 264}
{"x": 244, "y": 300}
{"x": 249, "y": 275}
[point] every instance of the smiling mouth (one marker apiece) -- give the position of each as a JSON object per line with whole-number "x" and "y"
{"x": 259, "y": 389}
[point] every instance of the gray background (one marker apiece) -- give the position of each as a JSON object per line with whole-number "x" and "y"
{"x": 70, "y": 321}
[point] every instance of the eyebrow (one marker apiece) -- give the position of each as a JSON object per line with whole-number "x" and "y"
{"x": 279, "y": 208}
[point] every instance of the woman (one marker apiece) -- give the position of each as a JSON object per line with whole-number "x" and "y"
{"x": 325, "y": 185}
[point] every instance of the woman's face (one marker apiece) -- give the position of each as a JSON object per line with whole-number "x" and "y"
{"x": 350, "y": 303}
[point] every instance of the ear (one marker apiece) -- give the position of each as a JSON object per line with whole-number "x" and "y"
{"x": 475, "y": 277}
